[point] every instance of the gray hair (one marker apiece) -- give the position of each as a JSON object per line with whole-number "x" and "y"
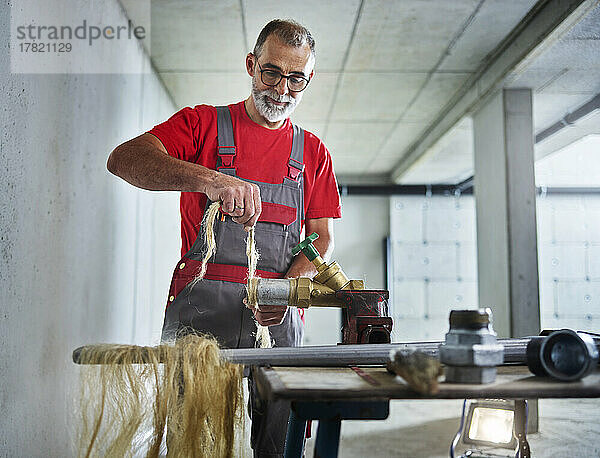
{"x": 288, "y": 31}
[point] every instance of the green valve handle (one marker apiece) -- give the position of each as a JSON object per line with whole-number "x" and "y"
{"x": 307, "y": 247}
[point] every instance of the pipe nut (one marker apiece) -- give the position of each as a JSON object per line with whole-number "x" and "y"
{"x": 303, "y": 292}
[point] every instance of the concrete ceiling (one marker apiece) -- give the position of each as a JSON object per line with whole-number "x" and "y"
{"x": 384, "y": 69}
{"x": 563, "y": 77}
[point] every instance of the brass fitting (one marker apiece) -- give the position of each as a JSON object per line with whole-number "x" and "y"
{"x": 333, "y": 276}
{"x": 305, "y": 292}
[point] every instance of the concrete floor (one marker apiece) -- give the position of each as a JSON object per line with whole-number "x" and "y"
{"x": 424, "y": 429}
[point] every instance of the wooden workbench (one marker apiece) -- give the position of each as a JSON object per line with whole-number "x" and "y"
{"x": 333, "y": 394}
{"x": 375, "y": 383}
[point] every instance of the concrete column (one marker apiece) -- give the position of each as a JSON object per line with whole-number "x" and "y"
{"x": 505, "y": 204}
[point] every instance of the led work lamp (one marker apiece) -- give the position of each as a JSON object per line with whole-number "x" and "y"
{"x": 487, "y": 430}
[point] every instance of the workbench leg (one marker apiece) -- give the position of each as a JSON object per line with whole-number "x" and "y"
{"x": 328, "y": 438}
{"x": 294, "y": 439}
{"x": 521, "y": 428}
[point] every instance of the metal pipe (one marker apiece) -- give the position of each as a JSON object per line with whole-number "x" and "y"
{"x": 273, "y": 291}
{"x": 345, "y": 355}
{"x": 570, "y": 118}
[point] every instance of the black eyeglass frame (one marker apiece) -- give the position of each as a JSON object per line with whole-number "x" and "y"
{"x": 281, "y": 76}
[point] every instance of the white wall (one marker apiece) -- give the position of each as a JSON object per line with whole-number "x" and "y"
{"x": 569, "y": 260}
{"x": 84, "y": 257}
{"x": 435, "y": 262}
{"x": 359, "y": 250}
{"x": 434, "y": 265}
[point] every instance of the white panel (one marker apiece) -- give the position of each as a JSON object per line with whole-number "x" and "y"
{"x": 443, "y": 203}
{"x": 409, "y": 202}
{"x": 569, "y": 225}
{"x": 436, "y": 261}
{"x": 330, "y": 24}
{"x": 409, "y": 299}
{"x": 592, "y": 225}
{"x": 587, "y": 323}
{"x": 454, "y": 224}
{"x": 419, "y": 329}
{"x": 568, "y": 202}
{"x": 410, "y": 260}
{"x": 544, "y": 218}
{"x": 199, "y": 35}
{"x": 547, "y": 297}
{"x": 406, "y": 35}
{"x": 445, "y": 296}
{"x": 441, "y": 260}
{"x": 578, "y": 298}
{"x": 591, "y": 202}
{"x": 467, "y": 261}
{"x": 594, "y": 261}
{"x": 442, "y": 225}
{"x": 375, "y": 96}
{"x": 190, "y": 89}
{"x": 435, "y": 95}
{"x": 406, "y": 219}
{"x": 562, "y": 261}
{"x": 467, "y": 229}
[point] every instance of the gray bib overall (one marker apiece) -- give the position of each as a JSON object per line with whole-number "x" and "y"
{"x": 214, "y": 305}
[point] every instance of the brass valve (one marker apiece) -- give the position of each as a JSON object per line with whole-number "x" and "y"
{"x": 330, "y": 274}
{"x": 304, "y": 292}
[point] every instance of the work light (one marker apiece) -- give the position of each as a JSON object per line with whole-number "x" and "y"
{"x": 487, "y": 430}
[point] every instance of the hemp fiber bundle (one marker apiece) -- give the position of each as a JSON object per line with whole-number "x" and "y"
{"x": 125, "y": 406}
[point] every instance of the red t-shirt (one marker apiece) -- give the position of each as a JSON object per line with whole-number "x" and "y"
{"x": 261, "y": 154}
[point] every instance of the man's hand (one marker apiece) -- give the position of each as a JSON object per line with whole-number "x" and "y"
{"x": 239, "y": 198}
{"x": 270, "y": 315}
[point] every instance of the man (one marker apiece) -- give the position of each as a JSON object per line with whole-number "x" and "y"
{"x": 266, "y": 173}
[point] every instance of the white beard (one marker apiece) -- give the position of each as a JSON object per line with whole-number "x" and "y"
{"x": 269, "y": 110}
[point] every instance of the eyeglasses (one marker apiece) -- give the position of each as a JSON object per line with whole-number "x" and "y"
{"x": 295, "y": 83}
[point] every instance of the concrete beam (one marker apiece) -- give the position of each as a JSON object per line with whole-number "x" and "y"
{"x": 544, "y": 24}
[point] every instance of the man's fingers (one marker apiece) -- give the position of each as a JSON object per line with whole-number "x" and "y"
{"x": 251, "y": 211}
{"x": 272, "y": 309}
{"x": 257, "y": 206}
{"x": 228, "y": 203}
{"x": 248, "y": 207}
{"x": 268, "y": 319}
{"x": 270, "y": 315}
